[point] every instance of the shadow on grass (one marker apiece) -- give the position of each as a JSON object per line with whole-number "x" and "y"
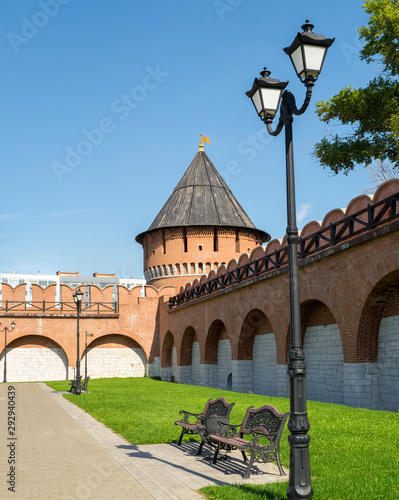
{"x": 244, "y": 492}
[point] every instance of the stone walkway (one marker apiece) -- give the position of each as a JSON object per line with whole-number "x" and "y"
{"x": 61, "y": 452}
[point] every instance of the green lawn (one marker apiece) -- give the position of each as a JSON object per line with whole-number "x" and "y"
{"x": 353, "y": 452}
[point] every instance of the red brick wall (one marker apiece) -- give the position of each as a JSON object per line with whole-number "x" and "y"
{"x": 354, "y": 288}
{"x": 200, "y": 250}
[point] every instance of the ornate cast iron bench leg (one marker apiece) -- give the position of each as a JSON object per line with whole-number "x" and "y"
{"x": 250, "y": 464}
{"x": 200, "y": 447}
{"x": 280, "y": 468}
{"x": 183, "y": 431}
{"x": 215, "y": 456}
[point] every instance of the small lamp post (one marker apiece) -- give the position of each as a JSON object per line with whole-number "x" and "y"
{"x": 307, "y": 53}
{"x": 87, "y": 335}
{"x": 5, "y": 330}
{"x": 77, "y": 297}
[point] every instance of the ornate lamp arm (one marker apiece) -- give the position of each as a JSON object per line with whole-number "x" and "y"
{"x": 269, "y": 120}
{"x": 288, "y": 109}
{"x": 295, "y": 111}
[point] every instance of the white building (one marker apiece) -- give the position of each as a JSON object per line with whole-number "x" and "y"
{"x": 73, "y": 280}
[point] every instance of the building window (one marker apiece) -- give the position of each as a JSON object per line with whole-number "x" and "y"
{"x": 87, "y": 296}
{"x": 163, "y": 240}
{"x": 185, "y": 239}
{"x": 200, "y": 248}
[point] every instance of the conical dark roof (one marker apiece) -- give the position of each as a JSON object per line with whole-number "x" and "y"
{"x": 202, "y": 198}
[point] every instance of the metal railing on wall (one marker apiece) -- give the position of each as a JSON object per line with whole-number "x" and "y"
{"x": 363, "y": 221}
{"x": 56, "y": 307}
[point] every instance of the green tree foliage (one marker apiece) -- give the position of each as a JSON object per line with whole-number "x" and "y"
{"x": 373, "y": 111}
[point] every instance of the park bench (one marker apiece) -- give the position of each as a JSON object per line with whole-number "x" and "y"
{"x": 83, "y": 385}
{"x": 265, "y": 424}
{"x": 217, "y": 410}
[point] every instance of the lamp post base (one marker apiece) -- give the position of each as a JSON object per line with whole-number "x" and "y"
{"x": 300, "y": 487}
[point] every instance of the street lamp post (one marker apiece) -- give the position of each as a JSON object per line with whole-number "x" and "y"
{"x": 77, "y": 297}
{"x": 307, "y": 53}
{"x": 87, "y": 335}
{"x": 5, "y": 330}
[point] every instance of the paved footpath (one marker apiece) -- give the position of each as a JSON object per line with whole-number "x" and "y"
{"x": 61, "y": 452}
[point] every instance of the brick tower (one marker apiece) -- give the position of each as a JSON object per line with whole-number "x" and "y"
{"x": 200, "y": 227}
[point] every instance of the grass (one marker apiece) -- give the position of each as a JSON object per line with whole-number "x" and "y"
{"x": 353, "y": 452}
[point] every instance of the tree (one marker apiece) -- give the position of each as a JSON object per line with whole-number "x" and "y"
{"x": 378, "y": 173}
{"x": 372, "y": 111}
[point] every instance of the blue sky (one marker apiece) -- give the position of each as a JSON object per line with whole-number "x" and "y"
{"x": 103, "y": 103}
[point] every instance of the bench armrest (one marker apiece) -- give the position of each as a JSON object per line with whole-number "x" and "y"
{"x": 257, "y": 434}
{"x": 227, "y": 430}
{"x": 188, "y": 414}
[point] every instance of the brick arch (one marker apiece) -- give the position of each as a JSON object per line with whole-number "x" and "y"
{"x": 114, "y": 355}
{"x": 25, "y": 364}
{"x": 136, "y": 339}
{"x": 114, "y": 340}
{"x": 313, "y": 310}
{"x": 315, "y": 313}
{"x": 375, "y": 306}
{"x": 216, "y": 332}
{"x": 167, "y": 346}
{"x": 189, "y": 336}
{"x": 33, "y": 340}
{"x": 255, "y": 322}
{"x": 384, "y": 269}
{"x": 312, "y": 299}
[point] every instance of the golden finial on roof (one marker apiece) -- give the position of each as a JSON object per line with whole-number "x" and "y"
{"x": 203, "y": 139}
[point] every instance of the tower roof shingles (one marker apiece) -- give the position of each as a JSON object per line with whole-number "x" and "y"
{"x": 202, "y": 198}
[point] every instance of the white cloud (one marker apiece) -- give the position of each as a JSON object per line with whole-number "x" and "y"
{"x": 8, "y": 217}
{"x": 303, "y": 212}
{"x": 5, "y": 218}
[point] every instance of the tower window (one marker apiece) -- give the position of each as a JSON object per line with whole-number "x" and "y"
{"x": 185, "y": 239}
{"x": 200, "y": 248}
{"x": 237, "y": 240}
{"x": 163, "y": 241}
{"x": 215, "y": 240}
